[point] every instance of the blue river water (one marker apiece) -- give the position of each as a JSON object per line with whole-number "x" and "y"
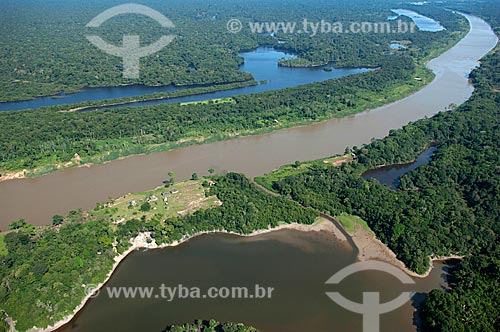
{"x": 262, "y": 63}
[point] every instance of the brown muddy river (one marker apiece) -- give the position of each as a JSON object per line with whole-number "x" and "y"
{"x": 295, "y": 264}
{"x": 37, "y": 200}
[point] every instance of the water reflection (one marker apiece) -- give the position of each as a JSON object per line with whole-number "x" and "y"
{"x": 390, "y": 175}
{"x": 423, "y": 23}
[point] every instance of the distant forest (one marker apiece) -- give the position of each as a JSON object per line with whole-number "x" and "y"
{"x": 45, "y": 50}
{"x": 44, "y": 139}
{"x": 449, "y": 206}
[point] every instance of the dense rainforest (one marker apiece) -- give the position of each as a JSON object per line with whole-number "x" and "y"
{"x": 449, "y": 206}
{"x": 45, "y": 139}
{"x": 42, "y": 269}
{"x": 32, "y": 138}
{"x": 44, "y": 49}
{"x": 473, "y": 302}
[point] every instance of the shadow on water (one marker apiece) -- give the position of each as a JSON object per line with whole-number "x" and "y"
{"x": 447, "y": 271}
{"x": 391, "y": 175}
{"x": 417, "y": 300}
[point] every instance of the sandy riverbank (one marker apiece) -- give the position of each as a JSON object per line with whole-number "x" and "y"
{"x": 371, "y": 248}
{"x": 141, "y": 242}
{"x": 13, "y": 176}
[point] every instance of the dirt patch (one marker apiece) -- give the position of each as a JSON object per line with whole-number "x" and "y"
{"x": 13, "y": 176}
{"x": 371, "y": 248}
{"x": 338, "y": 161}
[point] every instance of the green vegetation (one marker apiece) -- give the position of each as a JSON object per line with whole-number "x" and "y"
{"x": 210, "y": 326}
{"x": 92, "y": 105}
{"x": 446, "y": 207}
{"x": 449, "y": 206}
{"x": 473, "y": 303}
{"x": 203, "y": 52}
{"x": 45, "y": 139}
{"x": 211, "y": 101}
{"x": 298, "y": 168}
{"x": 44, "y": 269}
{"x": 57, "y": 59}
{"x": 3, "y": 247}
{"x": 351, "y": 223}
{"x": 176, "y": 200}
{"x": 284, "y": 171}
{"x": 4, "y": 326}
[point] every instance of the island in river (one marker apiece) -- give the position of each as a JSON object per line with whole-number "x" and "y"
{"x": 164, "y": 127}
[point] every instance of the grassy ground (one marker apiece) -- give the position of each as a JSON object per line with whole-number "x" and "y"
{"x": 284, "y": 171}
{"x": 190, "y": 197}
{"x": 229, "y": 100}
{"x": 351, "y": 223}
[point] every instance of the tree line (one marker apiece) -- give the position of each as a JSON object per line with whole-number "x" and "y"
{"x": 44, "y": 268}
{"x": 210, "y": 326}
{"x": 449, "y": 206}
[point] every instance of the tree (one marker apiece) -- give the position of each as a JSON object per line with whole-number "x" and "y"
{"x": 171, "y": 180}
{"x": 194, "y": 177}
{"x": 18, "y": 224}
{"x": 57, "y": 220}
{"x": 145, "y": 207}
{"x": 211, "y": 171}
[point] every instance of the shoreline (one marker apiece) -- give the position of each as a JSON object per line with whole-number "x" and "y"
{"x": 14, "y": 175}
{"x": 371, "y": 248}
{"x": 225, "y": 136}
{"x": 19, "y": 175}
{"x": 140, "y": 242}
{"x": 168, "y": 95}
